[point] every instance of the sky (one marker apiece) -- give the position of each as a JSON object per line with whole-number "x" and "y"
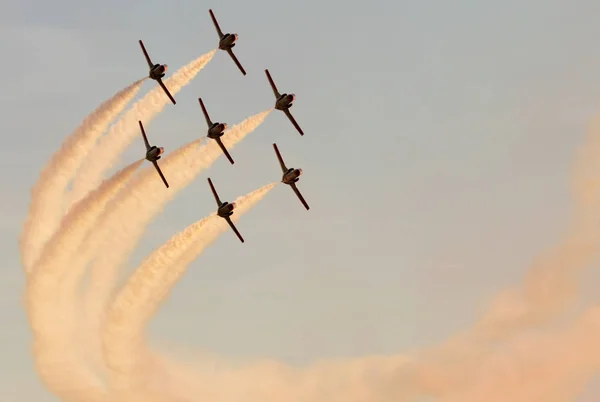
{"x": 439, "y": 140}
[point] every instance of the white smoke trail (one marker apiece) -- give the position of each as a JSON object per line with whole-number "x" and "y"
{"x": 126, "y": 220}
{"x": 192, "y": 250}
{"x": 52, "y": 325}
{"x": 46, "y": 209}
{"x": 121, "y": 134}
{"x": 137, "y": 302}
{"x": 97, "y": 244}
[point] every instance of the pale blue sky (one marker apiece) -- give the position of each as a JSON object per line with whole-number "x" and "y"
{"x": 439, "y": 141}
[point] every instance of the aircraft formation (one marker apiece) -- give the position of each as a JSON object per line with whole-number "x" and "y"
{"x": 216, "y": 130}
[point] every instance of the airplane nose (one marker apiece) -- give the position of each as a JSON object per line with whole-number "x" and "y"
{"x": 166, "y": 67}
{"x": 233, "y": 205}
{"x": 161, "y": 150}
{"x": 224, "y": 126}
{"x": 299, "y": 172}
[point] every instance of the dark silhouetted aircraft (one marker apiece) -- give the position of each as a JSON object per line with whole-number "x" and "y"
{"x": 227, "y": 42}
{"x": 283, "y": 102}
{"x": 153, "y": 154}
{"x": 290, "y": 177}
{"x": 225, "y": 210}
{"x": 157, "y": 72}
{"x": 215, "y": 130}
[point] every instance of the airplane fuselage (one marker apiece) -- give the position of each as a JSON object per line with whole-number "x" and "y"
{"x": 158, "y": 71}
{"x": 216, "y": 130}
{"x": 226, "y": 209}
{"x": 284, "y": 101}
{"x": 228, "y": 41}
{"x": 291, "y": 176}
{"x": 154, "y": 153}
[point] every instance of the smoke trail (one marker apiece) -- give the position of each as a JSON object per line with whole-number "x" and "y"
{"x": 52, "y": 325}
{"x": 191, "y": 251}
{"x": 46, "y": 206}
{"x": 121, "y": 135}
{"x": 151, "y": 282}
{"x": 126, "y": 220}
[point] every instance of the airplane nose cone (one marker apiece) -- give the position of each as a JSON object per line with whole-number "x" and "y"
{"x": 224, "y": 126}
{"x": 233, "y": 205}
{"x": 162, "y": 150}
{"x": 166, "y": 67}
{"x": 299, "y": 172}
{"x": 236, "y": 36}
{"x": 293, "y": 96}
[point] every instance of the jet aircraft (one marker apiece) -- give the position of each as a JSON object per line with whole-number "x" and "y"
{"x": 283, "y": 102}
{"x": 227, "y": 42}
{"x": 153, "y": 154}
{"x": 290, "y": 177}
{"x": 157, "y": 72}
{"x": 225, "y": 210}
{"x": 215, "y": 130}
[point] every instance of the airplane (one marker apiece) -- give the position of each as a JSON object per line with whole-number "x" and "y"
{"x": 157, "y": 71}
{"x": 215, "y": 130}
{"x": 225, "y": 210}
{"x": 284, "y": 102}
{"x": 227, "y": 42}
{"x": 153, "y": 154}
{"x": 290, "y": 177}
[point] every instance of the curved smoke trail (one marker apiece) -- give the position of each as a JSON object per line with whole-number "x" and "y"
{"x": 138, "y": 301}
{"x": 121, "y": 134}
{"x": 46, "y": 209}
{"x": 60, "y": 368}
{"x": 492, "y": 361}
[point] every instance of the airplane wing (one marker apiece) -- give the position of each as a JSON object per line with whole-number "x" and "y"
{"x": 164, "y": 87}
{"x": 208, "y": 121}
{"x": 275, "y": 91}
{"x": 146, "y": 55}
{"x": 216, "y": 24}
{"x": 144, "y": 135}
{"x": 236, "y": 61}
{"x": 302, "y": 200}
{"x": 224, "y": 150}
{"x": 214, "y": 192}
{"x": 289, "y": 115}
{"x": 160, "y": 173}
{"x": 234, "y": 229}
{"x": 281, "y": 162}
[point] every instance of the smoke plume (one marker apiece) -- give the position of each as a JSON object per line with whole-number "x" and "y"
{"x": 46, "y": 209}
{"x": 53, "y": 326}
